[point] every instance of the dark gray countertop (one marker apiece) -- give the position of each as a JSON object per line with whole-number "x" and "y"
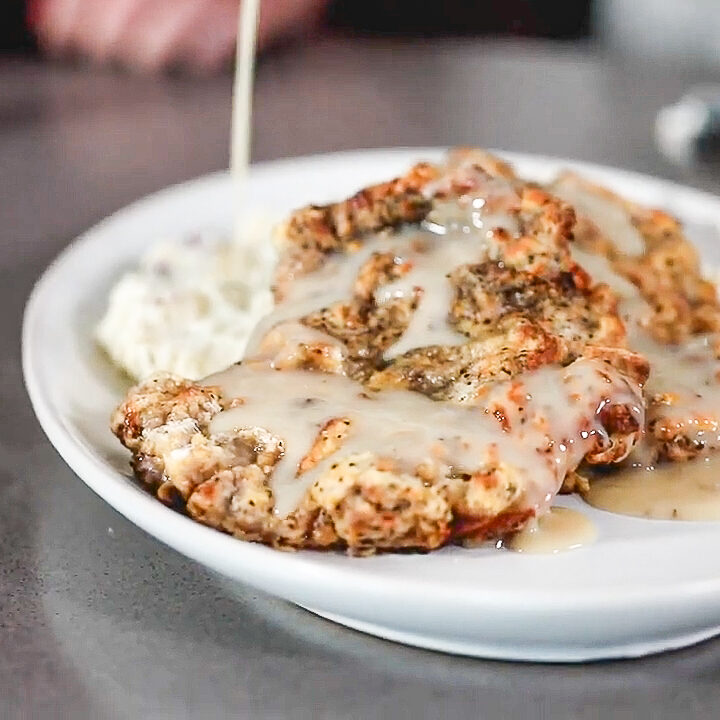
{"x": 99, "y": 620}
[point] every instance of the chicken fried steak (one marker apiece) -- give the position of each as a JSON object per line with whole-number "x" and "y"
{"x": 671, "y": 312}
{"x": 436, "y": 366}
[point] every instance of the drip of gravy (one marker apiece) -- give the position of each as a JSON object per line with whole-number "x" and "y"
{"x": 455, "y": 233}
{"x": 528, "y": 432}
{"x": 558, "y": 530}
{"x": 671, "y": 491}
{"x": 408, "y": 428}
{"x": 284, "y": 344}
{"x": 550, "y": 422}
{"x": 606, "y": 214}
{"x": 684, "y": 376}
{"x": 453, "y": 239}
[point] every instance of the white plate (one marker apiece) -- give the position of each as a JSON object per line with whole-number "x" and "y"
{"x": 645, "y": 586}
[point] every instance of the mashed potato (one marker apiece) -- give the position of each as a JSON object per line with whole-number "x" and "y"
{"x": 189, "y": 307}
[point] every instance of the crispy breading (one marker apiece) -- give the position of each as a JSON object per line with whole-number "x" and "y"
{"x": 524, "y": 307}
{"x": 532, "y": 288}
{"x": 667, "y": 271}
{"x": 312, "y": 232}
{"x": 360, "y": 502}
{"x": 681, "y": 308}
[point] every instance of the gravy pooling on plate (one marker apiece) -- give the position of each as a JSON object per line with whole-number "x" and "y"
{"x": 374, "y": 352}
{"x": 558, "y": 530}
{"x": 671, "y": 313}
{"x": 683, "y": 389}
{"x": 671, "y": 491}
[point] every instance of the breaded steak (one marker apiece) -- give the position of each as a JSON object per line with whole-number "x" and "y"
{"x": 671, "y": 312}
{"x": 437, "y": 365}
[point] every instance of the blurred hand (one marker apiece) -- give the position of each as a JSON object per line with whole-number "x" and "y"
{"x": 150, "y": 35}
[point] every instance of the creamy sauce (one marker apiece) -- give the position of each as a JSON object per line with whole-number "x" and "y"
{"x": 242, "y": 108}
{"x": 429, "y": 323}
{"x": 423, "y": 251}
{"x": 464, "y": 238}
{"x": 454, "y": 234}
{"x": 550, "y": 423}
{"x": 687, "y": 378}
{"x": 558, "y": 530}
{"x": 532, "y": 430}
{"x": 683, "y": 388}
{"x": 407, "y": 427}
{"x": 284, "y": 345}
{"x": 684, "y": 376}
{"x": 607, "y": 215}
{"x": 672, "y": 491}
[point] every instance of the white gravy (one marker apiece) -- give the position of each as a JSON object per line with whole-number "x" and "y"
{"x": 454, "y": 234}
{"x": 551, "y": 421}
{"x": 607, "y": 215}
{"x": 687, "y": 374}
{"x": 558, "y": 530}
{"x": 547, "y": 436}
{"x": 463, "y": 235}
{"x": 535, "y": 428}
{"x": 672, "y": 491}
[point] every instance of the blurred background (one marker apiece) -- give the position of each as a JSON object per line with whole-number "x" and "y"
{"x": 163, "y": 33}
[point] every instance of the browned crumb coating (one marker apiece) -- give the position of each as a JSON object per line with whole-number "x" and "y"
{"x": 667, "y": 272}
{"x": 530, "y": 307}
{"x": 682, "y": 304}
{"x": 361, "y": 503}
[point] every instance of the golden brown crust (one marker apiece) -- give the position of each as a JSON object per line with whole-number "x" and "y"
{"x": 168, "y": 399}
{"x": 667, "y": 273}
{"x": 477, "y": 157}
{"x": 681, "y": 424}
{"x": 682, "y": 304}
{"x": 362, "y": 503}
{"x": 528, "y": 307}
{"x": 314, "y": 231}
{"x": 460, "y": 373}
{"x": 575, "y": 482}
{"x": 531, "y": 305}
